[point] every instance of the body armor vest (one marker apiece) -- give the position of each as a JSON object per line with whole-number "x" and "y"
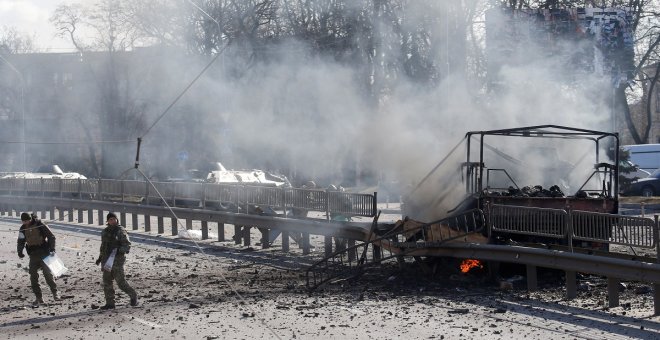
{"x": 34, "y": 236}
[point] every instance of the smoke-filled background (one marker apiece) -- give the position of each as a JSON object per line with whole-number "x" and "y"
{"x": 369, "y": 95}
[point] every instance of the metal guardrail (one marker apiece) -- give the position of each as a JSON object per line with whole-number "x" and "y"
{"x": 574, "y": 225}
{"x": 203, "y": 195}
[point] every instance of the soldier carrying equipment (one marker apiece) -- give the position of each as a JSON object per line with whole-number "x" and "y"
{"x": 115, "y": 244}
{"x": 39, "y": 242}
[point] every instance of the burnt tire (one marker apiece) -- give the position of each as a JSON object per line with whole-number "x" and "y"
{"x": 648, "y": 192}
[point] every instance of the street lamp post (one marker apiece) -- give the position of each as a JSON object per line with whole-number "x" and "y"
{"x": 20, "y": 77}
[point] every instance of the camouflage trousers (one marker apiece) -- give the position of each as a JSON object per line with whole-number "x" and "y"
{"x": 117, "y": 274}
{"x": 36, "y": 263}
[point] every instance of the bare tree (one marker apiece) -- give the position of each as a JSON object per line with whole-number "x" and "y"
{"x": 12, "y": 41}
{"x": 108, "y": 33}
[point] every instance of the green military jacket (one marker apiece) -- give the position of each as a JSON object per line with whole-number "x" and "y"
{"x": 114, "y": 237}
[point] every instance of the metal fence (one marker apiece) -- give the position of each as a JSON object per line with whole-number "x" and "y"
{"x": 574, "y": 225}
{"x": 543, "y": 222}
{"x": 614, "y": 229}
{"x": 202, "y": 195}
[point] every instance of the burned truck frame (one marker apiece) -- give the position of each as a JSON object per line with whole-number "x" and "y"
{"x": 534, "y": 213}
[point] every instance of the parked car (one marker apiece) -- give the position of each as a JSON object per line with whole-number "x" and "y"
{"x": 649, "y": 186}
{"x": 645, "y": 156}
{"x": 634, "y": 171}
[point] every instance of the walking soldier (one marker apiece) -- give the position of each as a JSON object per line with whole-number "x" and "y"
{"x": 115, "y": 244}
{"x": 39, "y": 242}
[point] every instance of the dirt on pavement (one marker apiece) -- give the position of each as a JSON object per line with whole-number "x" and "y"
{"x": 219, "y": 290}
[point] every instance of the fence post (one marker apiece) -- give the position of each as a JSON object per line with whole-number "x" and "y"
{"x": 146, "y": 192}
{"x": 238, "y": 200}
{"x": 327, "y": 204}
{"x": 203, "y": 196}
{"x": 221, "y": 232}
{"x": 161, "y": 225}
{"x": 656, "y": 287}
{"x": 173, "y": 197}
{"x": 134, "y": 221}
{"x": 205, "y": 229}
{"x": 305, "y": 243}
{"x": 613, "y": 292}
{"x": 98, "y": 190}
{"x": 569, "y": 230}
{"x": 237, "y": 234}
{"x": 571, "y": 286}
{"x": 283, "y": 190}
{"x": 328, "y": 245}
{"x": 175, "y": 226}
{"x": 532, "y": 283}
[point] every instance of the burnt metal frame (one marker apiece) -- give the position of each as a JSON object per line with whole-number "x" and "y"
{"x": 545, "y": 131}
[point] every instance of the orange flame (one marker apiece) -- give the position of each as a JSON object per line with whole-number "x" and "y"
{"x": 468, "y": 264}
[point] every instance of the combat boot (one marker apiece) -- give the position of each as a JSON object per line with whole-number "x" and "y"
{"x": 134, "y": 301}
{"x": 38, "y": 301}
{"x": 56, "y": 296}
{"x": 106, "y": 307}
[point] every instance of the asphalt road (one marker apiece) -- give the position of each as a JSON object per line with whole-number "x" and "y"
{"x": 213, "y": 290}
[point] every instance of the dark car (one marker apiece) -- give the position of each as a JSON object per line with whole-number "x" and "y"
{"x": 649, "y": 186}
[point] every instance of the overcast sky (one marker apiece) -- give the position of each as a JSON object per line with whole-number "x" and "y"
{"x": 31, "y": 17}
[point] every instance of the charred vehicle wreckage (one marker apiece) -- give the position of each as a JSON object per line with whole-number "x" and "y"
{"x": 526, "y": 184}
{"x": 537, "y": 186}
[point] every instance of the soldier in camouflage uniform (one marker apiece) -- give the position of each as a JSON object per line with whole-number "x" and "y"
{"x": 39, "y": 242}
{"x": 114, "y": 236}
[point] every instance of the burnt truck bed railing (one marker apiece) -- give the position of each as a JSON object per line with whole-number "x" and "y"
{"x": 573, "y": 225}
{"x": 488, "y": 172}
{"x": 607, "y": 173}
{"x": 202, "y": 195}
